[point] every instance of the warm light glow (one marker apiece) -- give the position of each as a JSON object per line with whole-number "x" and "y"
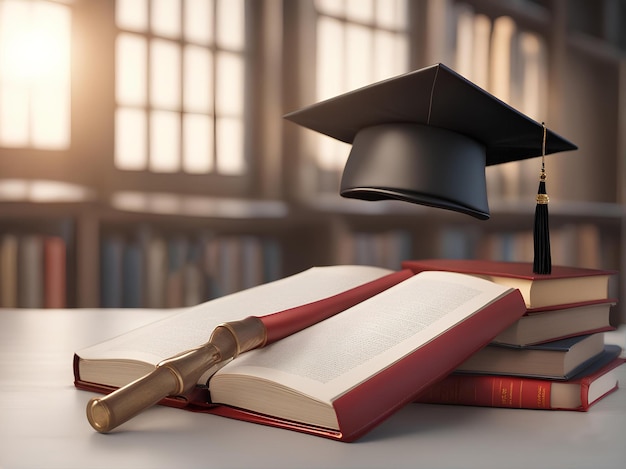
{"x": 359, "y": 64}
{"x": 131, "y": 66}
{"x": 164, "y": 142}
{"x": 360, "y": 10}
{"x": 229, "y": 84}
{"x": 230, "y": 24}
{"x": 34, "y": 74}
{"x": 330, "y": 58}
{"x": 165, "y": 17}
{"x": 132, "y": 14}
{"x": 165, "y": 79}
{"x": 131, "y": 130}
{"x": 33, "y": 46}
{"x": 197, "y": 143}
{"x": 229, "y": 146}
{"x": 197, "y": 79}
{"x": 197, "y": 206}
{"x": 198, "y": 21}
{"x": 42, "y": 191}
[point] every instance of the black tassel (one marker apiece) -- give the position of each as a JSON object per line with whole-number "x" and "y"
{"x": 542, "y": 263}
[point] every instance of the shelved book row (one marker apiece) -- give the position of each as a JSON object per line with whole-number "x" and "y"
{"x": 553, "y": 357}
{"x": 572, "y": 244}
{"x": 33, "y": 270}
{"x": 161, "y": 271}
{"x": 383, "y": 249}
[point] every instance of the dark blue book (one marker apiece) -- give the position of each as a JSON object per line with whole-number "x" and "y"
{"x": 560, "y": 359}
{"x": 111, "y": 271}
{"x": 132, "y": 266}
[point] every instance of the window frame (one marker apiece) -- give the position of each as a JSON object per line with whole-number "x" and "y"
{"x": 181, "y": 182}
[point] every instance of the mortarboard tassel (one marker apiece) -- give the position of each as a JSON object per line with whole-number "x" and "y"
{"x": 542, "y": 263}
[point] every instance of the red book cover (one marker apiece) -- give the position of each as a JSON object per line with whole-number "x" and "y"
{"x": 54, "y": 272}
{"x": 576, "y": 394}
{"x": 502, "y": 268}
{"x": 565, "y": 286}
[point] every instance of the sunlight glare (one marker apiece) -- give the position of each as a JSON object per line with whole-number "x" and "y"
{"x": 34, "y": 41}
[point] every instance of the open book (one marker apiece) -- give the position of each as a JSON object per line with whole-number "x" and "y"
{"x": 338, "y": 378}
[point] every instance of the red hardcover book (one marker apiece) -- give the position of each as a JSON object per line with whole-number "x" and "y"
{"x": 579, "y": 393}
{"x": 565, "y": 286}
{"x": 54, "y": 272}
{"x": 322, "y": 379}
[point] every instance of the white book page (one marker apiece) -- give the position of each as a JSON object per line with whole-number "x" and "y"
{"x": 191, "y": 327}
{"x": 326, "y": 360}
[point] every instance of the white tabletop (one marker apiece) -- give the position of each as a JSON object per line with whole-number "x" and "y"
{"x": 43, "y": 423}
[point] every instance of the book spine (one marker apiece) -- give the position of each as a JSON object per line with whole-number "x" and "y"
{"x": 55, "y": 268}
{"x": 132, "y": 275}
{"x": 489, "y": 391}
{"x": 30, "y": 272}
{"x": 111, "y": 271}
{"x": 8, "y": 271}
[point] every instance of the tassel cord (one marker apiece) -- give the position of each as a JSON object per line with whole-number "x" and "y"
{"x": 542, "y": 263}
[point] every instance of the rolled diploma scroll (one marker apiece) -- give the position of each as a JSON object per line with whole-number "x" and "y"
{"x": 178, "y": 375}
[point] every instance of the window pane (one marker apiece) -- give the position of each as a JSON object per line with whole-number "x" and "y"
{"x": 49, "y": 42}
{"x": 230, "y": 159}
{"x": 198, "y": 25}
{"x": 360, "y": 10}
{"x": 359, "y": 45}
{"x": 132, "y": 14}
{"x": 331, "y": 7}
{"x": 186, "y": 86}
{"x": 197, "y": 143}
{"x": 401, "y": 55}
{"x": 130, "y": 139}
{"x": 197, "y": 78}
{"x": 353, "y": 52}
{"x": 16, "y": 45}
{"x": 390, "y": 55}
{"x": 391, "y": 13}
{"x": 332, "y": 154}
{"x": 165, "y": 18}
{"x": 229, "y": 86}
{"x": 164, "y": 141}
{"x": 50, "y": 116}
{"x": 165, "y": 74}
{"x": 34, "y": 74}
{"x": 130, "y": 69}
{"x": 230, "y": 24}
{"x": 330, "y": 62}
{"x": 14, "y": 115}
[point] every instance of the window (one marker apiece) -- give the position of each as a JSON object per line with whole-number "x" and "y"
{"x": 180, "y": 86}
{"x": 359, "y": 42}
{"x": 34, "y": 74}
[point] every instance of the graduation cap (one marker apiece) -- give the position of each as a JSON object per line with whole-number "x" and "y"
{"x": 426, "y": 137}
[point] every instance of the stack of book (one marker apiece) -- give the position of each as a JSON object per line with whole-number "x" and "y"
{"x": 554, "y": 357}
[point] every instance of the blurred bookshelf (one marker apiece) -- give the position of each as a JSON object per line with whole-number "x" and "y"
{"x": 153, "y": 238}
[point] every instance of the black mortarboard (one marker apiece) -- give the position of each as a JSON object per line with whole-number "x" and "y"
{"x": 426, "y": 137}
